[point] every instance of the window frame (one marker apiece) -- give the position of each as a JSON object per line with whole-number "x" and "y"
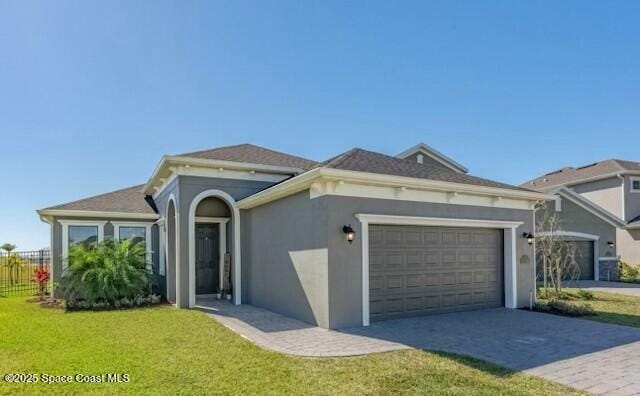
{"x": 631, "y": 181}
{"x": 77, "y": 223}
{"x": 147, "y": 235}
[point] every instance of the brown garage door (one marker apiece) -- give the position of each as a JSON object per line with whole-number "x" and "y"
{"x": 416, "y": 270}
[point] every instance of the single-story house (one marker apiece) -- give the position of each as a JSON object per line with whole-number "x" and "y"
{"x": 598, "y": 206}
{"x": 360, "y": 237}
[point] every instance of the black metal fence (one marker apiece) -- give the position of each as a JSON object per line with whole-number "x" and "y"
{"x": 17, "y": 271}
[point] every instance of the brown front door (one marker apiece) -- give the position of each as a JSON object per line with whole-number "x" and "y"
{"x": 207, "y": 258}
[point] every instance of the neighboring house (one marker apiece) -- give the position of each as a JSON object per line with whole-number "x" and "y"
{"x": 428, "y": 238}
{"x": 599, "y": 209}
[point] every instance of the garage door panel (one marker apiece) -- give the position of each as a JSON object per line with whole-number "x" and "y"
{"x": 434, "y": 269}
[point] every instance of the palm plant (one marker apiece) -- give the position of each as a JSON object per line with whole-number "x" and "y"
{"x": 106, "y": 273}
{"x": 11, "y": 261}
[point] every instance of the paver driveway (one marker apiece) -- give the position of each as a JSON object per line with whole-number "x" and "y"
{"x": 600, "y": 358}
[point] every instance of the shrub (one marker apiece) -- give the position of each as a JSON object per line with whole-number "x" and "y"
{"x": 585, "y": 294}
{"x": 41, "y": 277}
{"x": 111, "y": 274}
{"x": 628, "y": 271}
{"x": 551, "y": 293}
{"x": 564, "y": 308}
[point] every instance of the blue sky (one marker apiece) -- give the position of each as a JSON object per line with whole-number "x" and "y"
{"x": 93, "y": 93}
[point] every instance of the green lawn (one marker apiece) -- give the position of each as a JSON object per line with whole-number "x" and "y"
{"x": 611, "y": 308}
{"x": 170, "y": 351}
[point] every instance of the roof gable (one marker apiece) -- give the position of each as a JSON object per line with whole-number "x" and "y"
{"x": 423, "y": 149}
{"x": 252, "y": 154}
{"x": 368, "y": 161}
{"x": 568, "y": 176}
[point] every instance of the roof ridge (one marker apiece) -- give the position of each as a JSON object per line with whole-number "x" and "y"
{"x": 215, "y": 148}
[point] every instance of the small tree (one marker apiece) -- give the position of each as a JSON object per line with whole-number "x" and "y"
{"x": 41, "y": 277}
{"x": 11, "y": 261}
{"x": 559, "y": 258}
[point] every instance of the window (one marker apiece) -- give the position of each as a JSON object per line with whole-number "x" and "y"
{"x": 635, "y": 184}
{"x": 134, "y": 234}
{"x": 85, "y": 235}
{"x": 80, "y": 232}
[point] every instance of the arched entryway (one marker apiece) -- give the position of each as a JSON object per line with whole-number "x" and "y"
{"x": 171, "y": 246}
{"x": 214, "y": 247}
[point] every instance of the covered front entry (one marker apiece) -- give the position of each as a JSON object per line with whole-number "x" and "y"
{"x": 420, "y": 270}
{"x": 207, "y": 259}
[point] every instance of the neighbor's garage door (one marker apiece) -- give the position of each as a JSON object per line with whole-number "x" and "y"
{"x": 417, "y": 270}
{"x": 584, "y": 257}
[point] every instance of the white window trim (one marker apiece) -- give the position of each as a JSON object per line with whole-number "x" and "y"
{"x": 510, "y": 249}
{"x": 631, "y": 180}
{"x": 80, "y": 223}
{"x": 237, "y": 262}
{"x": 147, "y": 236}
{"x": 582, "y": 235}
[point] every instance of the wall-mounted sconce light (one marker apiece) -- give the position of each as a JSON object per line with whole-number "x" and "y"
{"x": 611, "y": 244}
{"x": 351, "y": 234}
{"x": 529, "y": 237}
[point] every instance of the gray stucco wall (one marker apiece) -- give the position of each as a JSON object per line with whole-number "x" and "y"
{"x": 426, "y": 160}
{"x": 56, "y": 248}
{"x": 285, "y": 259}
{"x": 575, "y": 219}
{"x": 188, "y": 187}
{"x": 606, "y": 193}
{"x": 298, "y": 263}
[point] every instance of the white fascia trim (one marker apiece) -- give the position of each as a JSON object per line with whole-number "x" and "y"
{"x": 237, "y": 269}
{"x": 510, "y": 260}
{"x": 65, "y": 234}
{"x": 590, "y": 207}
{"x": 304, "y": 181}
{"x": 436, "y": 155}
{"x": 435, "y": 221}
{"x": 582, "y": 235}
{"x": 97, "y": 214}
{"x": 147, "y": 235}
{"x": 209, "y": 163}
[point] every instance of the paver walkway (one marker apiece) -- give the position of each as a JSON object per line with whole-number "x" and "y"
{"x": 597, "y": 357}
{"x": 629, "y": 289}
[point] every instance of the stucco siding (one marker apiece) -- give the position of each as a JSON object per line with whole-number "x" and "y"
{"x": 573, "y": 218}
{"x": 606, "y": 193}
{"x": 285, "y": 258}
{"x": 628, "y": 242}
{"x": 632, "y": 200}
{"x": 427, "y": 160}
{"x": 345, "y": 260}
{"x": 189, "y": 187}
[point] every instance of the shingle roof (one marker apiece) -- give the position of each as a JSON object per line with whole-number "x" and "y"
{"x": 571, "y": 175}
{"x": 250, "y": 153}
{"x": 368, "y": 161}
{"x": 127, "y": 200}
